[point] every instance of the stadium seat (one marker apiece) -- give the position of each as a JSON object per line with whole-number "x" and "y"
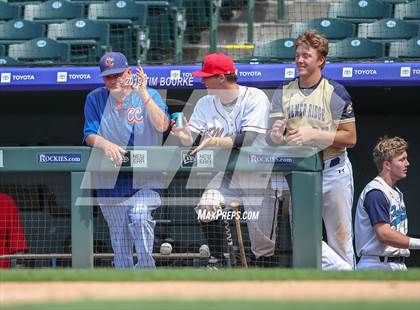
{"x": 331, "y": 28}
{"x": 2, "y": 50}
{"x": 87, "y": 38}
{"x": 388, "y": 29}
{"x": 359, "y": 11}
{"x": 405, "y": 49}
{"x": 167, "y": 23}
{"x": 128, "y": 20}
{"x": 16, "y": 31}
{"x": 228, "y": 6}
{"x": 40, "y": 50}
{"x": 197, "y": 19}
{"x": 119, "y": 11}
{"x": 396, "y": 1}
{"x": 8, "y": 11}
{"x": 409, "y": 11}
{"x": 277, "y": 51}
{"x": 355, "y": 48}
{"x": 8, "y": 61}
{"x": 53, "y": 11}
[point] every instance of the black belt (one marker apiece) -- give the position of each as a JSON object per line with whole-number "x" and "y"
{"x": 392, "y": 259}
{"x": 334, "y": 162}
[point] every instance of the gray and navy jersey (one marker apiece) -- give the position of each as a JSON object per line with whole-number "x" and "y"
{"x": 379, "y": 203}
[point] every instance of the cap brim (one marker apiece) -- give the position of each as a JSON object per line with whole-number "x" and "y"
{"x": 112, "y": 71}
{"x": 202, "y": 74}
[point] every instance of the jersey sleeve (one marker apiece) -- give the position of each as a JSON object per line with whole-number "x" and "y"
{"x": 276, "y": 105}
{"x": 92, "y": 117}
{"x": 255, "y": 117}
{"x": 342, "y": 106}
{"x": 197, "y": 120}
{"x": 377, "y": 207}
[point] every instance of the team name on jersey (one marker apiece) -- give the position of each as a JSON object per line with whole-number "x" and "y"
{"x": 305, "y": 109}
{"x": 398, "y": 218}
{"x": 134, "y": 115}
{"x": 215, "y": 131}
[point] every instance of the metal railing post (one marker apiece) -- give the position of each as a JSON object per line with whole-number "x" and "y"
{"x": 81, "y": 225}
{"x": 251, "y": 14}
{"x": 214, "y": 18}
{"x": 280, "y": 10}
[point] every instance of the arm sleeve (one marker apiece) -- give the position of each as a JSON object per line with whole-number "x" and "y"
{"x": 342, "y": 105}
{"x": 276, "y": 105}
{"x": 276, "y": 113}
{"x": 92, "y": 117}
{"x": 245, "y": 138}
{"x": 16, "y": 235}
{"x": 255, "y": 117}
{"x": 377, "y": 207}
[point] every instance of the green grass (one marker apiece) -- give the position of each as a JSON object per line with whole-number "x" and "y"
{"x": 216, "y": 305}
{"x": 200, "y": 275}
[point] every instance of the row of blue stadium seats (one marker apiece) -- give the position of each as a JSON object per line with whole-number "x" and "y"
{"x": 337, "y": 29}
{"x": 383, "y": 30}
{"x": 60, "y": 10}
{"x": 354, "y": 10}
{"x": 353, "y": 48}
{"x": 159, "y": 16}
{"x": 129, "y": 25}
{"x": 44, "y": 51}
{"x": 360, "y": 11}
{"x": 87, "y": 38}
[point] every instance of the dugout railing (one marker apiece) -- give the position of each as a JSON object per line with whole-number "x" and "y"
{"x": 302, "y": 167}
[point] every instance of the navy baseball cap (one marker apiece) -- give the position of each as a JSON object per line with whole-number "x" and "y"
{"x": 112, "y": 63}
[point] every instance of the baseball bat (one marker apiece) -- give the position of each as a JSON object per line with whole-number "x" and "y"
{"x": 228, "y": 237}
{"x": 235, "y": 207}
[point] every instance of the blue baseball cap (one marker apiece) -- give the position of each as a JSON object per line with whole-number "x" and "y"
{"x": 112, "y": 63}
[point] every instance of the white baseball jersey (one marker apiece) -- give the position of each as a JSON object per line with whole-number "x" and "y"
{"x": 388, "y": 208}
{"x": 250, "y": 113}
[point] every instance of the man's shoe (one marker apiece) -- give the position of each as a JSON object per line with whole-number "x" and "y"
{"x": 215, "y": 263}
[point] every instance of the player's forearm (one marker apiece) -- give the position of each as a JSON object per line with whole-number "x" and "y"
{"x": 338, "y": 139}
{"x": 275, "y": 139}
{"x": 390, "y": 237}
{"x": 224, "y": 142}
{"x": 96, "y": 141}
{"x": 158, "y": 118}
{"x": 186, "y": 141}
{"x": 344, "y": 139}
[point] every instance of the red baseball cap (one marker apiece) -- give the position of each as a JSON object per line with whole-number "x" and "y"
{"x": 215, "y": 64}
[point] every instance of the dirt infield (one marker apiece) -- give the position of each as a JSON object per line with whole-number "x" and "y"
{"x": 19, "y": 292}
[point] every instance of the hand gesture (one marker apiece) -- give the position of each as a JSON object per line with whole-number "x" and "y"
{"x": 141, "y": 83}
{"x": 278, "y": 130}
{"x": 114, "y": 152}
{"x": 206, "y": 141}
{"x": 300, "y": 136}
{"x": 184, "y": 134}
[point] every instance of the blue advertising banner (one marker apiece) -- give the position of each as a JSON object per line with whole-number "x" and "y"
{"x": 179, "y": 77}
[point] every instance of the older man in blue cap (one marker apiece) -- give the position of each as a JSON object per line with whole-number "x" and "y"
{"x": 118, "y": 115}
